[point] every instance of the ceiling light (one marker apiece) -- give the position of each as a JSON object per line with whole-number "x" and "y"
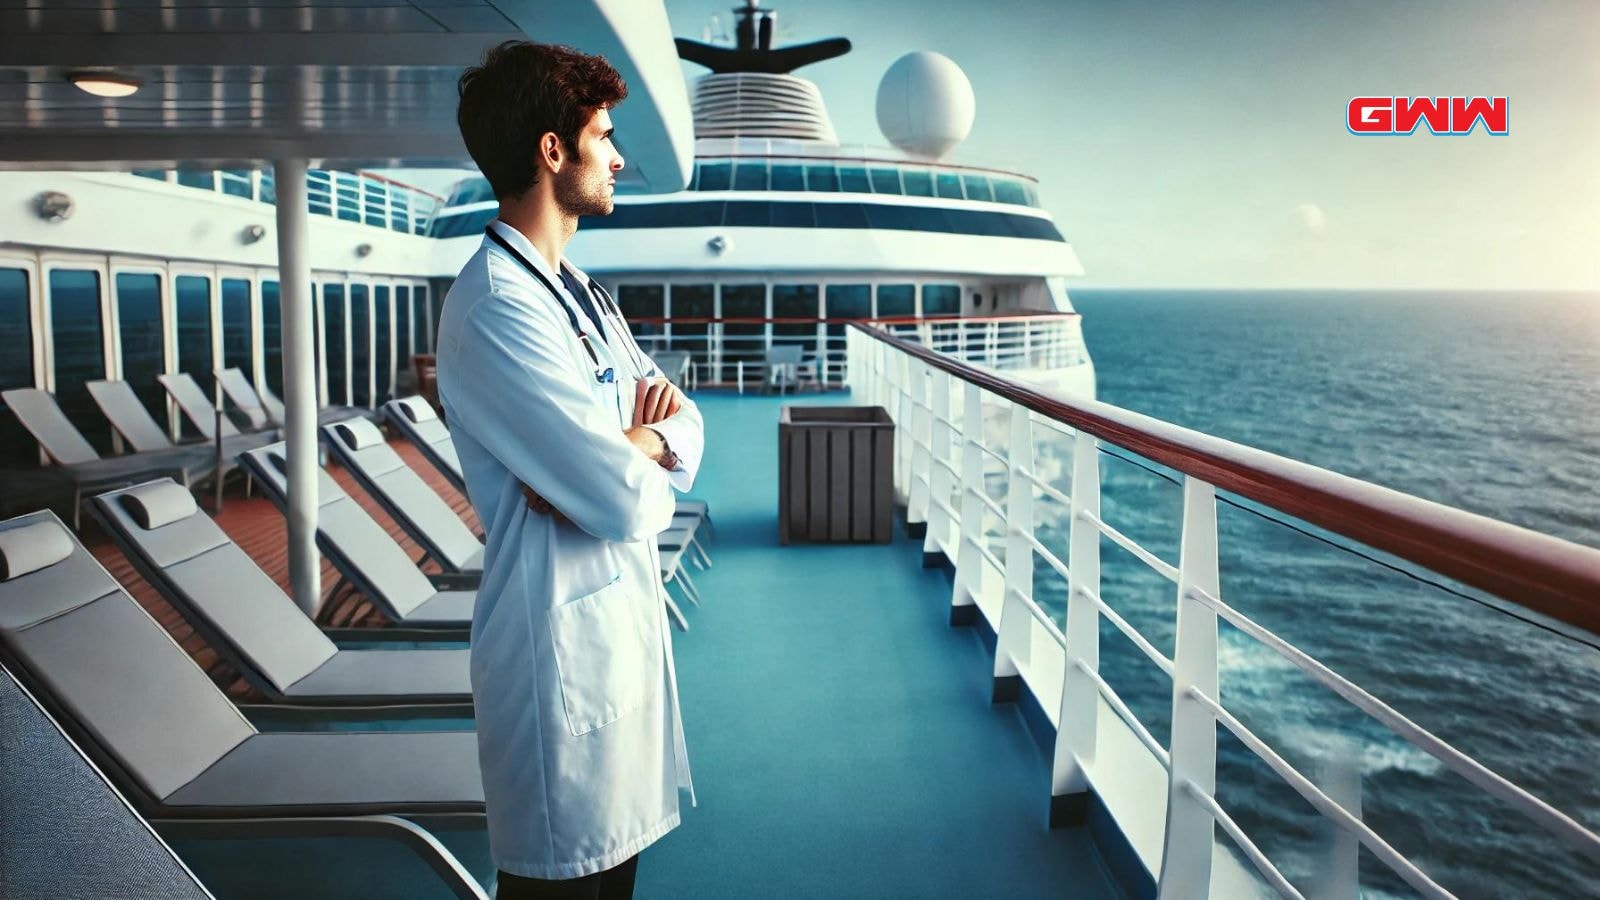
{"x": 104, "y": 84}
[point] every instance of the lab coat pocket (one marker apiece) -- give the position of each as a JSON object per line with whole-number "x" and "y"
{"x": 603, "y": 654}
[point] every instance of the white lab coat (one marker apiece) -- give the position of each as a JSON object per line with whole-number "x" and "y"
{"x": 579, "y": 732}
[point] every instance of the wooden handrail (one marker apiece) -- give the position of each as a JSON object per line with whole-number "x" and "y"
{"x": 1554, "y": 577}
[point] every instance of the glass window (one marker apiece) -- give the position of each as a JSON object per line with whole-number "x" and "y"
{"x": 463, "y": 223}
{"x": 139, "y": 322}
{"x": 194, "y": 329}
{"x": 333, "y": 335}
{"x": 472, "y": 190}
{"x": 885, "y": 181}
{"x": 382, "y": 362}
{"x": 77, "y": 335}
{"x": 205, "y": 179}
{"x": 360, "y": 346}
{"x": 643, "y": 301}
{"x": 795, "y": 301}
{"x": 896, "y": 300}
{"x": 1033, "y": 194}
{"x": 237, "y": 350}
{"x": 822, "y": 178}
{"x": 269, "y": 187}
{"x": 749, "y": 214}
{"x": 941, "y": 299}
{"x": 950, "y": 186}
{"x": 853, "y": 180}
{"x": 847, "y": 301}
{"x": 236, "y": 182}
{"x": 156, "y": 174}
{"x": 421, "y": 321}
{"x": 690, "y": 301}
{"x": 919, "y": 182}
{"x": 16, "y": 364}
{"x": 750, "y": 175}
{"x": 272, "y": 336}
{"x": 716, "y": 176}
{"x": 1008, "y": 191}
{"x": 977, "y": 187}
{"x": 840, "y": 215}
{"x": 793, "y": 215}
{"x": 788, "y": 178}
{"x": 745, "y": 341}
{"x": 402, "y": 327}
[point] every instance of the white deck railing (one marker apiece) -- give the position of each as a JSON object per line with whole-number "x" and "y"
{"x": 942, "y": 459}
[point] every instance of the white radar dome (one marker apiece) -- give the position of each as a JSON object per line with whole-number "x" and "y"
{"x": 925, "y": 104}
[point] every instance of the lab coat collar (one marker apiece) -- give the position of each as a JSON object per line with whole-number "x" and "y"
{"x": 524, "y": 246}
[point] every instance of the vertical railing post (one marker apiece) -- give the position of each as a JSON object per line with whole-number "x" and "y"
{"x": 941, "y": 439}
{"x": 905, "y": 433}
{"x": 970, "y": 567}
{"x": 921, "y": 444}
{"x": 1186, "y": 858}
{"x": 1078, "y": 733}
{"x": 1014, "y": 643}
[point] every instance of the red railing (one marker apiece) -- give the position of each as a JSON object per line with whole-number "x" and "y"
{"x": 1546, "y": 574}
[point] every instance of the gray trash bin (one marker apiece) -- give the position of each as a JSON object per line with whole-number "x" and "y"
{"x": 835, "y": 474}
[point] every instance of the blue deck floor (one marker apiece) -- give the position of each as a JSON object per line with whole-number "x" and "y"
{"x": 839, "y": 730}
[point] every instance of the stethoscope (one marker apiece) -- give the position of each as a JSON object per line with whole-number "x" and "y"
{"x": 603, "y": 374}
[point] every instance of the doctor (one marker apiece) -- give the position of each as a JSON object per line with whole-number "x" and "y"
{"x": 571, "y": 450}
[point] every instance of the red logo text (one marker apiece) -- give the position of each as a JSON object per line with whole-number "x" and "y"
{"x": 1441, "y": 115}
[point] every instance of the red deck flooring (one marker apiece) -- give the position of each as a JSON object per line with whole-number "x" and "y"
{"x": 259, "y": 529}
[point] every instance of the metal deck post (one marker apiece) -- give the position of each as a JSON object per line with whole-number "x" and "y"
{"x": 299, "y": 382}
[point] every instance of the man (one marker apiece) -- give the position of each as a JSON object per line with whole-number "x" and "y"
{"x": 571, "y": 451}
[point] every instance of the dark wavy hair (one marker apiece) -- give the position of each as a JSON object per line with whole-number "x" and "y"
{"x": 521, "y": 92}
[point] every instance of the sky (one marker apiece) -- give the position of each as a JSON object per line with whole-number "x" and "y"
{"x": 1202, "y": 143}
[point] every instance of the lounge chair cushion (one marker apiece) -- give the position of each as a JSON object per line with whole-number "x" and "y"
{"x": 359, "y": 433}
{"x": 159, "y": 503}
{"x": 32, "y": 547}
{"x": 416, "y": 409}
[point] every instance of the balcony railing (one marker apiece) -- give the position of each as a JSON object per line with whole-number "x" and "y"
{"x": 947, "y": 463}
{"x": 731, "y": 351}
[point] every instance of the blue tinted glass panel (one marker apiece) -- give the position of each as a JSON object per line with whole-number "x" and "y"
{"x": 886, "y": 181}
{"x": 272, "y": 336}
{"x": 419, "y": 320}
{"x": 473, "y": 190}
{"x": 463, "y": 223}
{"x": 333, "y": 334}
{"x": 155, "y": 174}
{"x": 194, "y": 329}
{"x": 840, "y": 215}
{"x": 690, "y": 301}
{"x": 269, "y": 188}
{"x": 716, "y": 176}
{"x": 749, "y": 214}
{"x": 853, "y": 180}
{"x": 402, "y": 328}
{"x": 142, "y": 332}
{"x": 76, "y": 332}
{"x": 941, "y": 299}
{"x": 743, "y": 340}
{"x": 16, "y": 364}
{"x": 977, "y": 188}
{"x": 897, "y": 300}
{"x": 847, "y": 301}
{"x": 643, "y": 301}
{"x": 919, "y": 182}
{"x": 1006, "y": 191}
{"x": 750, "y": 176}
{"x": 197, "y": 178}
{"x": 822, "y": 178}
{"x": 360, "y": 346}
{"x": 788, "y": 178}
{"x": 236, "y": 182}
{"x": 237, "y": 352}
{"x": 949, "y": 186}
{"x": 382, "y": 361}
{"x": 794, "y": 301}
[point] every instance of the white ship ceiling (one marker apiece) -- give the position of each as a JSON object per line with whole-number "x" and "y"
{"x": 344, "y": 83}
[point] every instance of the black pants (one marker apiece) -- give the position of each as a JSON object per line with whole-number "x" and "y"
{"x": 615, "y": 883}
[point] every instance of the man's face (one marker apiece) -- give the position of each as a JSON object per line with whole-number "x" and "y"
{"x": 587, "y": 180}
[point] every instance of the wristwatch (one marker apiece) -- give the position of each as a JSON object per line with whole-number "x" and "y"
{"x": 668, "y": 460}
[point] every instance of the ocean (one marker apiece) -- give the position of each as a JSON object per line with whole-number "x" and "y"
{"x": 1489, "y": 402}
